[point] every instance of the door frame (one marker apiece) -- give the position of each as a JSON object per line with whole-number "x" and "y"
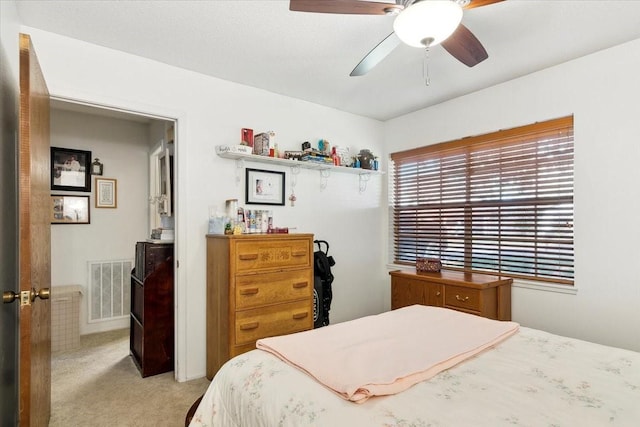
{"x": 158, "y": 112}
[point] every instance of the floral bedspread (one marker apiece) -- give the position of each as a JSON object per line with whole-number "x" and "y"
{"x": 532, "y": 379}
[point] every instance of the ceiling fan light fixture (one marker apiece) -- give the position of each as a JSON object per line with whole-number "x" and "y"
{"x": 428, "y": 22}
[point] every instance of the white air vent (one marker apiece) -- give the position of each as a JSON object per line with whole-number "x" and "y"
{"x": 109, "y": 290}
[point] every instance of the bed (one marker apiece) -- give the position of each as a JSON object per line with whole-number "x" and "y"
{"x": 528, "y": 378}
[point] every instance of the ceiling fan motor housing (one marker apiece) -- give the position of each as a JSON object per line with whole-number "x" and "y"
{"x": 428, "y": 22}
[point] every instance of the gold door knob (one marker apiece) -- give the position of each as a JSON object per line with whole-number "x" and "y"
{"x": 26, "y": 297}
{"x": 9, "y": 296}
{"x": 43, "y": 293}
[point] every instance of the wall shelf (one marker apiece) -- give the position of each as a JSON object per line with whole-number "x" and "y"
{"x": 294, "y": 163}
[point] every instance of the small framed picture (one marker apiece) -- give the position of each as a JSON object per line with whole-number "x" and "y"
{"x": 70, "y": 169}
{"x": 69, "y": 209}
{"x": 264, "y": 187}
{"x": 106, "y": 193}
{"x": 96, "y": 167}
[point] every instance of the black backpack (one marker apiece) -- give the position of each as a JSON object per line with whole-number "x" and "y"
{"x": 322, "y": 270}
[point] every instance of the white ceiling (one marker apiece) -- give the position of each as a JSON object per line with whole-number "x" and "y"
{"x": 309, "y": 56}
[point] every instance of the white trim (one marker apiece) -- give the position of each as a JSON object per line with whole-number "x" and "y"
{"x": 545, "y": 286}
{"x": 517, "y": 283}
{"x": 109, "y": 107}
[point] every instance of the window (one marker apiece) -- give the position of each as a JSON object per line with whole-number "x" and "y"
{"x": 501, "y": 202}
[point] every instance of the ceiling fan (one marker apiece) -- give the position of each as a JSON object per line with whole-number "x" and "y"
{"x": 419, "y": 23}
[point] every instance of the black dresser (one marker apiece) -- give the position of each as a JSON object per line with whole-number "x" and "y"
{"x": 152, "y": 332}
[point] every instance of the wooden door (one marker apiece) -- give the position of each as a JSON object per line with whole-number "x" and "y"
{"x": 34, "y": 203}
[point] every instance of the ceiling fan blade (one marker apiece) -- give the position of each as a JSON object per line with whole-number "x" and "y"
{"x": 376, "y": 55}
{"x": 478, "y": 3}
{"x": 343, "y": 6}
{"x": 465, "y": 47}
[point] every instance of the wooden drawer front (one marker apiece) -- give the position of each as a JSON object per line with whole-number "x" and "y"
{"x": 465, "y": 298}
{"x": 260, "y": 255}
{"x": 405, "y": 292}
{"x": 270, "y": 288}
{"x": 274, "y": 320}
{"x": 136, "y": 339}
{"x": 137, "y": 299}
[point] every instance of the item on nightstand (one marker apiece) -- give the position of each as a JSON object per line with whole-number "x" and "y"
{"x": 217, "y": 223}
{"x": 306, "y": 146}
{"x": 278, "y": 230}
{"x": 231, "y": 206}
{"x": 430, "y": 265}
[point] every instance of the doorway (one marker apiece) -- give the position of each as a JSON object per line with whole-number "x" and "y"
{"x": 85, "y": 254}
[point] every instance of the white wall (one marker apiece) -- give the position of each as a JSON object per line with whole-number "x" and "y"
{"x": 212, "y": 111}
{"x": 122, "y": 147}
{"x": 9, "y": 30}
{"x": 602, "y": 91}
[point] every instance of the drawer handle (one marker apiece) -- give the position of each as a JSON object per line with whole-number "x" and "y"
{"x": 247, "y": 257}
{"x": 299, "y": 253}
{"x": 300, "y": 315}
{"x": 300, "y": 285}
{"x": 438, "y": 293}
{"x": 249, "y": 326}
{"x": 463, "y": 299}
{"x": 250, "y": 291}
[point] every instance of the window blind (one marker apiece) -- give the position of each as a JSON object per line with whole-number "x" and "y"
{"x": 500, "y": 202}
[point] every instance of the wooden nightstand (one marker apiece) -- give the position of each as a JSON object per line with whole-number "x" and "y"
{"x": 480, "y": 294}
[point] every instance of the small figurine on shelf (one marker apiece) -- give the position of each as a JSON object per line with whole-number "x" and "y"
{"x": 366, "y": 158}
{"x": 324, "y": 147}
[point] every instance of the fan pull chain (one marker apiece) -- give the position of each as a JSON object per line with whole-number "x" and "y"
{"x": 425, "y": 68}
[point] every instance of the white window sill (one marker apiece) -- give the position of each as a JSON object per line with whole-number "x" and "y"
{"x": 517, "y": 283}
{"x": 545, "y": 286}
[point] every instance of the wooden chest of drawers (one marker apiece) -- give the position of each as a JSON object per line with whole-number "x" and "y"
{"x": 480, "y": 294}
{"x": 257, "y": 286}
{"x": 152, "y": 334}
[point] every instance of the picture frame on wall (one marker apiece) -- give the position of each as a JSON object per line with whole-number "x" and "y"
{"x": 70, "y": 169}
{"x": 263, "y": 187}
{"x": 70, "y": 209}
{"x": 106, "y": 193}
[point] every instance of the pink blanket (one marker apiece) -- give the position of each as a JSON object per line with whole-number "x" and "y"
{"x": 390, "y": 352}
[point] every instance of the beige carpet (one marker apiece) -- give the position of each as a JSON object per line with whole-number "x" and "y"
{"x": 98, "y": 385}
